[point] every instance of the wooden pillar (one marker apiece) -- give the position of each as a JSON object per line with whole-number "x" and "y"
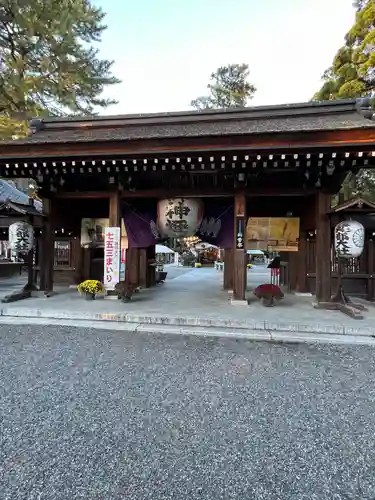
{"x": 132, "y": 266}
{"x": 228, "y": 269}
{"x": 370, "y": 270}
{"x": 143, "y": 265}
{"x": 301, "y": 263}
{"x": 86, "y": 264}
{"x": 239, "y": 252}
{"x": 75, "y": 248}
{"x": 114, "y": 210}
{"x": 151, "y": 270}
{"x": 30, "y": 286}
{"x": 47, "y": 254}
{"x": 115, "y": 217}
{"x": 288, "y": 271}
{"x": 40, "y": 261}
{"x": 323, "y": 247}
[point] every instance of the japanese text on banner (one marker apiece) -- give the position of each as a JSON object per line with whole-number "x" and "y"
{"x": 112, "y": 236}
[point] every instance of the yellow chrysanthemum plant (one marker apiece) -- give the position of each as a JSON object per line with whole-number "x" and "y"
{"x": 90, "y": 287}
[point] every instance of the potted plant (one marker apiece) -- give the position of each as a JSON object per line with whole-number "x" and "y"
{"x": 90, "y": 288}
{"x": 125, "y": 290}
{"x": 268, "y": 294}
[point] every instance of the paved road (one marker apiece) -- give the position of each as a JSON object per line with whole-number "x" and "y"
{"x": 89, "y": 414}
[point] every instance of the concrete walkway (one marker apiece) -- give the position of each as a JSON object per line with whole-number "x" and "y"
{"x": 194, "y": 298}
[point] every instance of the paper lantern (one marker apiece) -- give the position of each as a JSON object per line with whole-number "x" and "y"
{"x": 21, "y": 237}
{"x": 179, "y": 217}
{"x": 349, "y": 239}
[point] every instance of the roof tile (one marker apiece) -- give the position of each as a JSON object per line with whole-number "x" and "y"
{"x": 8, "y": 192}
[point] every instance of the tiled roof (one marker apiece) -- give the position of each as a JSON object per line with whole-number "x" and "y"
{"x": 330, "y": 115}
{"x": 9, "y": 192}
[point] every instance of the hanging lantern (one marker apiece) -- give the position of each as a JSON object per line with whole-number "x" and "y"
{"x": 179, "y": 217}
{"x": 349, "y": 239}
{"x": 21, "y": 237}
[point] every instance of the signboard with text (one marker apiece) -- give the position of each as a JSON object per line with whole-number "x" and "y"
{"x": 112, "y": 255}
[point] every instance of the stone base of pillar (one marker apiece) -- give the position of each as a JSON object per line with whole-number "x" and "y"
{"x": 111, "y": 297}
{"x": 235, "y": 302}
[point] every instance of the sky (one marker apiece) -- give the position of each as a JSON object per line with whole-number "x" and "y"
{"x": 165, "y": 50}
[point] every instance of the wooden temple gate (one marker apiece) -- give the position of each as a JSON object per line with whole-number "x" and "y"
{"x": 266, "y": 162}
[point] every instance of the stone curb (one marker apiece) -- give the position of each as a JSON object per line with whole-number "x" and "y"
{"x": 224, "y": 334}
{"x": 218, "y": 323}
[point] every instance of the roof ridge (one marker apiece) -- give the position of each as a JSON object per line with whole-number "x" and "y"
{"x": 358, "y": 200}
{"x": 248, "y": 113}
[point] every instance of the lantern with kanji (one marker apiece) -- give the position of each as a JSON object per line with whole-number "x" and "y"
{"x": 179, "y": 217}
{"x": 349, "y": 239}
{"x": 21, "y": 237}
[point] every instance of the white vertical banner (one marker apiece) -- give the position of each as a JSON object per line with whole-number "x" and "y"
{"x": 112, "y": 255}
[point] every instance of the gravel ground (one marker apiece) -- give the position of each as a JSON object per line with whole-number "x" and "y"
{"x": 89, "y": 414}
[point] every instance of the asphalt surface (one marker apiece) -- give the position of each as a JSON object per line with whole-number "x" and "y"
{"x": 90, "y": 414}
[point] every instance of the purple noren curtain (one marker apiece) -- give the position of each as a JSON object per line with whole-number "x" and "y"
{"x": 217, "y": 225}
{"x": 139, "y": 219}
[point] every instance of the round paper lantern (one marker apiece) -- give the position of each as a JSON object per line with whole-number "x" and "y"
{"x": 349, "y": 239}
{"x": 21, "y": 237}
{"x": 179, "y": 217}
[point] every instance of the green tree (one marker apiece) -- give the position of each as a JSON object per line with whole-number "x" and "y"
{"x": 352, "y": 73}
{"x": 10, "y": 128}
{"x": 49, "y": 61}
{"x": 362, "y": 184}
{"x": 229, "y": 87}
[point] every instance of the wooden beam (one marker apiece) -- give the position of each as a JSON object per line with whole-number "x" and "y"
{"x": 165, "y": 193}
{"x": 82, "y": 194}
{"x": 361, "y": 139}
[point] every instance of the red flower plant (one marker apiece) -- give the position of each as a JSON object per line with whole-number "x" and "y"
{"x": 268, "y": 293}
